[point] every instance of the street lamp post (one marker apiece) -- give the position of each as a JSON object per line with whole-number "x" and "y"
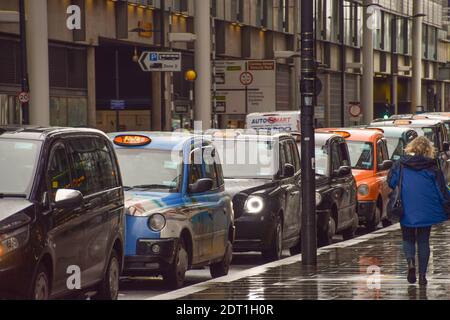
{"x": 23, "y": 58}
{"x": 307, "y": 84}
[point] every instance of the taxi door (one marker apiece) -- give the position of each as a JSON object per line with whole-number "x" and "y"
{"x": 202, "y": 210}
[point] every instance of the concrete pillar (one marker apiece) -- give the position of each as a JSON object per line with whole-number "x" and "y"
{"x": 416, "y": 92}
{"x": 202, "y": 21}
{"x": 442, "y": 97}
{"x": 156, "y": 101}
{"x": 368, "y": 75}
{"x": 91, "y": 95}
{"x": 297, "y": 61}
{"x": 168, "y": 104}
{"x": 38, "y": 69}
{"x": 394, "y": 93}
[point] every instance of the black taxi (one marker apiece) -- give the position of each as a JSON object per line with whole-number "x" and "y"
{"x": 262, "y": 174}
{"x": 61, "y": 214}
{"x": 336, "y": 190}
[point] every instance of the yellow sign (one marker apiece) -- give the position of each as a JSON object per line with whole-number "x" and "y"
{"x": 145, "y": 26}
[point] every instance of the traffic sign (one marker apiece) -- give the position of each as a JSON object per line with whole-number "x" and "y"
{"x": 117, "y": 104}
{"x": 160, "y": 61}
{"x": 246, "y": 78}
{"x": 24, "y": 97}
{"x": 354, "y": 109}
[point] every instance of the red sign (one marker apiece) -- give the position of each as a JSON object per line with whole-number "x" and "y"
{"x": 355, "y": 109}
{"x": 24, "y": 97}
{"x": 246, "y": 78}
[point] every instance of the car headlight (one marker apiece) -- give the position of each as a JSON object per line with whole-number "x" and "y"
{"x": 254, "y": 205}
{"x": 318, "y": 198}
{"x": 13, "y": 240}
{"x": 157, "y": 222}
{"x": 363, "y": 190}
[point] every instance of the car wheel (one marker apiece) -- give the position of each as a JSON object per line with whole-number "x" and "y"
{"x": 297, "y": 249}
{"x": 349, "y": 233}
{"x": 108, "y": 289}
{"x": 41, "y": 284}
{"x": 386, "y": 223}
{"x": 372, "y": 225}
{"x": 221, "y": 268}
{"x": 276, "y": 247}
{"x": 326, "y": 236}
{"x": 175, "y": 274}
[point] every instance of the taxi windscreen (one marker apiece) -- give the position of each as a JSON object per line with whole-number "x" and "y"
{"x": 153, "y": 170}
{"x": 361, "y": 155}
{"x": 248, "y": 159}
{"x": 18, "y": 159}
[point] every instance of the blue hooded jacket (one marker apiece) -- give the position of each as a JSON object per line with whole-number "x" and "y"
{"x": 425, "y": 197}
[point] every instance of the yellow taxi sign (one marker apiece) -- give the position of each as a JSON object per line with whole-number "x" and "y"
{"x": 343, "y": 134}
{"x": 132, "y": 140}
{"x": 402, "y": 122}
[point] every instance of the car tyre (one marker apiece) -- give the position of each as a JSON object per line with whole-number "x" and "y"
{"x": 325, "y": 238}
{"x": 108, "y": 289}
{"x": 175, "y": 274}
{"x": 275, "y": 251}
{"x": 221, "y": 268}
{"x": 386, "y": 223}
{"x": 297, "y": 249}
{"x": 372, "y": 225}
{"x": 41, "y": 287}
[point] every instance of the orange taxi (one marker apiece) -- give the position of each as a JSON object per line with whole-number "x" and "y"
{"x": 370, "y": 165}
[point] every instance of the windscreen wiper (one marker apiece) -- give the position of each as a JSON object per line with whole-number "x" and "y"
{"x": 12, "y": 195}
{"x": 152, "y": 186}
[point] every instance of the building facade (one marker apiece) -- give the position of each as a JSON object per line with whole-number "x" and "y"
{"x": 92, "y": 66}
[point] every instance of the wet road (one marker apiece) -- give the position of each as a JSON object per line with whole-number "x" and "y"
{"x": 143, "y": 288}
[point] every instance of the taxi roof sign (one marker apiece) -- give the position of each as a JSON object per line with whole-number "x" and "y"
{"x": 132, "y": 140}
{"x": 402, "y": 122}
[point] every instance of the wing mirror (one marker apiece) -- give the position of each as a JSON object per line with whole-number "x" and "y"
{"x": 68, "y": 199}
{"x": 288, "y": 171}
{"x": 201, "y": 186}
{"x": 343, "y": 171}
{"x": 386, "y": 165}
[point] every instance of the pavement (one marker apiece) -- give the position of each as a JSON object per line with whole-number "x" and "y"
{"x": 370, "y": 267}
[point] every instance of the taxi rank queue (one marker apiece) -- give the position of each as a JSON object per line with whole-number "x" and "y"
{"x": 159, "y": 204}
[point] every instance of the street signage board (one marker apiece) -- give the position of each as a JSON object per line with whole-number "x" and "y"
{"x": 117, "y": 104}
{"x": 160, "y": 61}
{"x": 245, "y": 86}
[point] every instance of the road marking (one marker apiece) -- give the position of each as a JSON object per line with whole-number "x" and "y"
{"x": 183, "y": 292}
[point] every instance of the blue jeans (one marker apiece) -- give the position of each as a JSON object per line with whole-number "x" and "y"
{"x": 422, "y": 237}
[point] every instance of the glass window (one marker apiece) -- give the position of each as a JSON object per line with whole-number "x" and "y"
{"x": 361, "y": 155}
{"x": 395, "y": 148}
{"x": 210, "y": 166}
{"x": 77, "y": 112}
{"x": 58, "y": 112}
{"x": 58, "y": 172}
{"x": 93, "y": 171}
{"x": 345, "y": 157}
{"x": 18, "y": 159}
{"x": 321, "y": 160}
{"x": 335, "y": 158}
{"x": 154, "y": 169}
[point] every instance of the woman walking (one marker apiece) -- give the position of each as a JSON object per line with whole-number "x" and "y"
{"x": 426, "y": 202}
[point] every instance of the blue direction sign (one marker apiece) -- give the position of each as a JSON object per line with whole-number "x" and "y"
{"x": 117, "y": 104}
{"x": 160, "y": 61}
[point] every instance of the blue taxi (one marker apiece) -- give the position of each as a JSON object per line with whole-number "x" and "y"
{"x": 178, "y": 213}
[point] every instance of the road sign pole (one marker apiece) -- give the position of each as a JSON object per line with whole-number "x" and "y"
{"x": 163, "y": 74}
{"x": 23, "y": 59}
{"x": 117, "y": 88}
{"x": 308, "y": 76}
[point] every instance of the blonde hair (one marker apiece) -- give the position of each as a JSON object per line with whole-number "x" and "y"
{"x": 421, "y": 146}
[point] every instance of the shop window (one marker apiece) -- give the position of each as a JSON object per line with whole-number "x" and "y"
{"x": 68, "y": 112}
{"x": 67, "y": 67}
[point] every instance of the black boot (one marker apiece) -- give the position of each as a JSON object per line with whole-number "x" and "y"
{"x": 423, "y": 279}
{"x": 411, "y": 271}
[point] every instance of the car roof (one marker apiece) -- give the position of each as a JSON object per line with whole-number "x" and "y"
{"x": 172, "y": 141}
{"x": 392, "y": 131}
{"x": 421, "y": 123}
{"x": 323, "y": 137}
{"x": 356, "y": 134}
{"x": 38, "y": 132}
{"x": 246, "y": 135}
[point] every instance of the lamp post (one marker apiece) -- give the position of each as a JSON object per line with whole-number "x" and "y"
{"x": 23, "y": 59}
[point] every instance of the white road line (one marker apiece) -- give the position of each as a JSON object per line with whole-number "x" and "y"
{"x": 177, "y": 294}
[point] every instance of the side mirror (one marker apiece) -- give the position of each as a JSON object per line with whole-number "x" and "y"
{"x": 386, "y": 165}
{"x": 288, "y": 171}
{"x": 446, "y": 146}
{"x": 343, "y": 171}
{"x": 68, "y": 199}
{"x": 201, "y": 186}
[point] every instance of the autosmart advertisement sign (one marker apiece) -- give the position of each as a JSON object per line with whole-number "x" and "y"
{"x": 245, "y": 86}
{"x": 280, "y": 121}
